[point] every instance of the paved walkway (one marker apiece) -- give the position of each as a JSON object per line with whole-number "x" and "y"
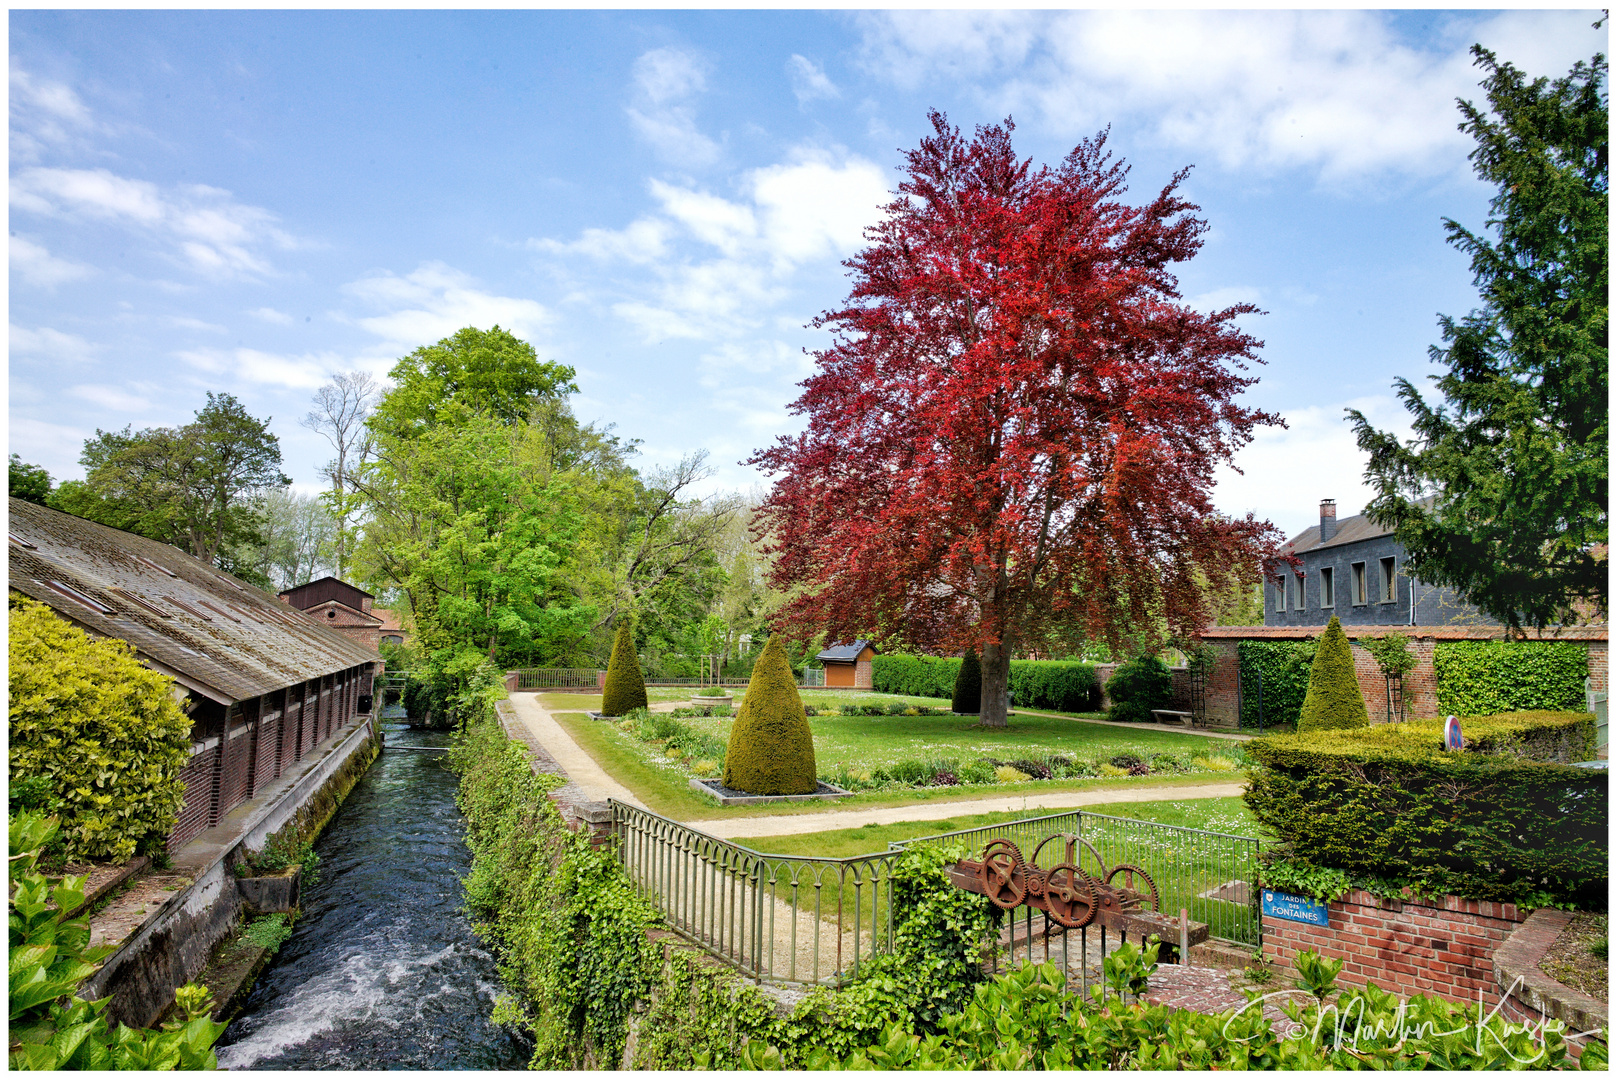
{"x": 1044, "y": 803}
{"x": 596, "y": 784}
{"x": 580, "y": 768}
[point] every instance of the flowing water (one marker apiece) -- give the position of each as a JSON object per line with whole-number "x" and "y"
{"x": 382, "y": 970}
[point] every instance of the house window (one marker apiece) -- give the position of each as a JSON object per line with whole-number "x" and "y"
{"x": 1302, "y": 597}
{"x": 1327, "y": 587}
{"x": 1280, "y": 595}
{"x": 1358, "y": 584}
{"x": 1389, "y": 587}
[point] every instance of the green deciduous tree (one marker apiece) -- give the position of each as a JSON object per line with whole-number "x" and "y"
{"x": 196, "y": 487}
{"x": 29, "y": 482}
{"x": 488, "y": 371}
{"x": 1516, "y": 457}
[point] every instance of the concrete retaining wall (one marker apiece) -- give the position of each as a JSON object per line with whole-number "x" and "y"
{"x": 173, "y": 945}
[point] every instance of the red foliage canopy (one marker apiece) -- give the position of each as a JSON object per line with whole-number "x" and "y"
{"x": 1012, "y": 439}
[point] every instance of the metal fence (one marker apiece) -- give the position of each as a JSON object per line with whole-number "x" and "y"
{"x": 1212, "y": 875}
{"x": 803, "y": 920}
{"x": 777, "y": 918}
{"x": 556, "y": 678}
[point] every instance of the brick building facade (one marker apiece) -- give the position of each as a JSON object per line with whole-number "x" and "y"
{"x": 265, "y": 685}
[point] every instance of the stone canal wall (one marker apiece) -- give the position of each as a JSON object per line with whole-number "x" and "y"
{"x": 173, "y": 943}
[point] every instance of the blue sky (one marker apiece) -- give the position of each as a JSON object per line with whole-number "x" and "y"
{"x": 250, "y": 202}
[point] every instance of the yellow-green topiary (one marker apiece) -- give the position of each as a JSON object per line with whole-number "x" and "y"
{"x": 1334, "y": 699}
{"x": 98, "y": 731}
{"x": 625, "y": 688}
{"x": 771, "y": 750}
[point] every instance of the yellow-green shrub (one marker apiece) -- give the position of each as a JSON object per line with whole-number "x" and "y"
{"x": 1009, "y": 774}
{"x": 1334, "y": 699}
{"x": 771, "y": 750}
{"x": 105, "y": 730}
{"x": 625, "y": 688}
{"x": 1212, "y": 763}
{"x": 1108, "y": 769}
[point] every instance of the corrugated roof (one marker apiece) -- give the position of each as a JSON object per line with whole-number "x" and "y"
{"x": 215, "y": 634}
{"x": 844, "y": 652}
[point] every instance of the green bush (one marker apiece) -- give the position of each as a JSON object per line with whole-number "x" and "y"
{"x": 103, "y": 728}
{"x": 625, "y": 688}
{"x": 1283, "y": 667}
{"x": 771, "y": 750}
{"x": 1478, "y": 678}
{"x": 968, "y": 685}
{"x": 1487, "y": 823}
{"x": 51, "y": 1026}
{"x": 1137, "y": 687}
{"x": 1333, "y": 699}
{"x": 1059, "y": 685}
{"x": 916, "y": 676}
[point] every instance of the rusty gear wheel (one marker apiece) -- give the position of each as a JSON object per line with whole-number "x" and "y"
{"x": 1136, "y": 884}
{"x": 1003, "y": 874}
{"x": 1069, "y": 896}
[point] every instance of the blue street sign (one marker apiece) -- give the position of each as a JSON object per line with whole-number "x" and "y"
{"x": 1452, "y": 739}
{"x": 1281, "y": 905}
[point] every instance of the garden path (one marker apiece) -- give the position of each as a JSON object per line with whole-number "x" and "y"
{"x": 580, "y": 768}
{"x": 583, "y": 771}
{"x": 1052, "y": 803}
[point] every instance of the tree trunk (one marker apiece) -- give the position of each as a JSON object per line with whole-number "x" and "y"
{"x": 996, "y": 664}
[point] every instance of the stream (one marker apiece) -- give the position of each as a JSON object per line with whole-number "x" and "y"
{"x": 382, "y": 970}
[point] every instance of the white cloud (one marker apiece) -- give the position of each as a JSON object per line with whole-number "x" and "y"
{"x": 809, "y": 80}
{"x": 270, "y": 315}
{"x": 306, "y": 372}
{"x": 719, "y": 265}
{"x": 49, "y": 344}
{"x": 436, "y": 300}
{"x": 185, "y": 322}
{"x": 1226, "y": 297}
{"x": 111, "y": 398}
{"x": 665, "y": 83}
{"x": 44, "y": 113}
{"x": 210, "y": 230}
{"x": 33, "y": 264}
{"x": 1286, "y": 472}
{"x": 1336, "y": 93}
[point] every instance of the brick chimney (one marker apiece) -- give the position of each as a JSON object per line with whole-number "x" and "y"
{"x": 1327, "y": 519}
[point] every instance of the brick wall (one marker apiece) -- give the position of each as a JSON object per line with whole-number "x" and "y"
{"x": 1405, "y": 946}
{"x": 266, "y": 754}
{"x": 233, "y": 783}
{"x": 1420, "y": 685}
{"x": 195, "y": 812}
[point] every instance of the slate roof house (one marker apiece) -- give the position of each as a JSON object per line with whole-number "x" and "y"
{"x": 268, "y": 685}
{"x": 849, "y": 665}
{"x": 1354, "y": 569}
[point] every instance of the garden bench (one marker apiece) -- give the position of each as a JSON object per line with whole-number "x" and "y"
{"x": 1172, "y": 716}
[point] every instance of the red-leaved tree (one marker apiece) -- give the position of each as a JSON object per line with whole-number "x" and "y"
{"x": 1012, "y": 439}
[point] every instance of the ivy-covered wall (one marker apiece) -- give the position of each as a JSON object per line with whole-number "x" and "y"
{"x": 586, "y": 962}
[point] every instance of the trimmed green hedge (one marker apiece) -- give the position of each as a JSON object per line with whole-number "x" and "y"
{"x": 1284, "y": 666}
{"x": 1060, "y": 685}
{"x": 1476, "y": 678}
{"x": 1489, "y": 823}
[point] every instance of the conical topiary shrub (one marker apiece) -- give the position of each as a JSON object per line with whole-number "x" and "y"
{"x": 625, "y": 688}
{"x": 771, "y": 750}
{"x": 968, "y": 685}
{"x": 1333, "y": 699}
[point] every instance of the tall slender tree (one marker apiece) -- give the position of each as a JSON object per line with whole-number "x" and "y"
{"x": 1502, "y": 492}
{"x": 1014, "y": 434}
{"x": 341, "y": 409}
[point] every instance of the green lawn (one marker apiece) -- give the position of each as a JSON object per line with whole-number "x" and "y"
{"x": 664, "y": 787}
{"x": 820, "y": 699}
{"x": 1217, "y": 815}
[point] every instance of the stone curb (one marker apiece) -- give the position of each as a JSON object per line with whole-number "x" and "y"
{"x": 1518, "y": 959}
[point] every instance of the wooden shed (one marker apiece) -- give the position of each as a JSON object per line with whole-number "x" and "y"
{"x": 849, "y": 666}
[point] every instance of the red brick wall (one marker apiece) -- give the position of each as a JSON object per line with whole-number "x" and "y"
{"x": 267, "y": 757}
{"x": 1420, "y": 685}
{"x": 195, "y": 813}
{"x": 1406, "y": 946}
{"x": 238, "y": 752}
